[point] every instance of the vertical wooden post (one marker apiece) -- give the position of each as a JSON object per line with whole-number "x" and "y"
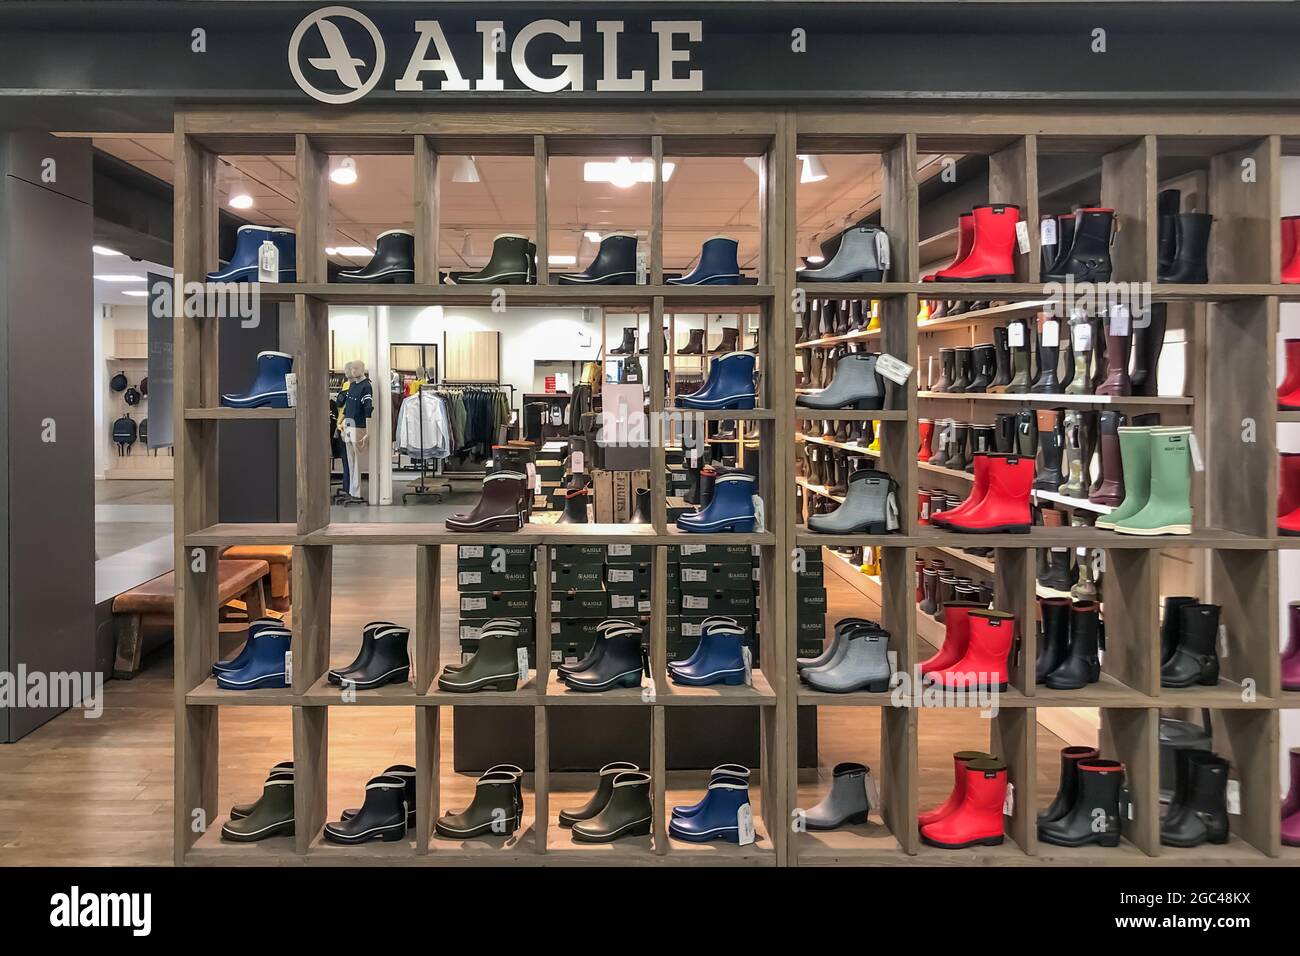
{"x": 898, "y": 210}
{"x": 657, "y": 214}
{"x": 427, "y": 756}
{"x": 541, "y": 178}
{"x": 1245, "y": 200}
{"x": 1013, "y": 178}
{"x": 659, "y": 776}
{"x": 1015, "y": 592}
{"x": 1014, "y": 738}
{"x": 310, "y": 773}
{"x": 313, "y": 214}
{"x": 428, "y": 203}
{"x": 542, "y": 618}
{"x": 1132, "y": 612}
{"x": 656, "y": 429}
{"x": 1128, "y": 185}
{"x": 541, "y": 777}
{"x": 428, "y": 615}
{"x": 1130, "y": 735}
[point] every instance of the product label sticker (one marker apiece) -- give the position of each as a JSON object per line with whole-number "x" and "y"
{"x": 1009, "y": 804}
{"x": 1051, "y": 334}
{"x": 695, "y": 602}
{"x": 621, "y": 575}
{"x": 896, "y": 370}
{"x": 692, "y": 629}
{"x": 288, "y": 667}
{"x": 555, "y": 607}
{"x": 686, "y": 550}
{"x": 268, "y": 262}
{"x": 470, "y": 551}
{"x": 618, "y": 550}
{"x": 476, "y": 577}
{"x": 1047, "y": 231}
{"x": 749, "y": 665}
{"x": 643, "y": 607}
{"x": 468, "y": 633}
{"x": 745, "y": 824}
{"x": 695, "y": 574}
{"x": 648, "y": 695}
{"x": 642, "y": 267}
{"x": 521, "y": 656}
{"x": 1022, "y": 236}
{"x": 759, "y": 518}
{"x": 1234, "y": 797}
{"x": 557, "y": 657}
{"x": 473, "y": 604}
{"x": 617, "y": 601}
{"x": 1119, "y": 319}
{"x": 1016, "y": 334}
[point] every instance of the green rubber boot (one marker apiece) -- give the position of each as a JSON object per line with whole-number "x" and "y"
{"x": 271, "y": 816}
{"x": 1169, "y": 506}
{"x": 1019, "y": 358}
{"x": 1135, "y": 459}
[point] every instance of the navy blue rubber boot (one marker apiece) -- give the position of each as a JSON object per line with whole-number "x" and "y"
{"x": 730, "y": 385}
{"x": 270, "y": 389}
{"x": 730, "y": 510}
{"x": 721, "y": 659}
{"x": 245, "y": 652}
{"x": 718, "y": 264}
{"x": 243, "y": 262}
{"x": 265, "y": 667}
{"x": 717, "y": 816}
{"x": 732, "y": 772}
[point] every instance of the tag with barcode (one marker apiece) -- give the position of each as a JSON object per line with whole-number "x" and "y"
{"x": 1016, "y": 334}
{"x": 1082, "y": 336}
{"x": 1198, "y": 463}
{"x": 896, "y": 370}
{"x": 291, "y": 387}
{"x": 1022, "y": 236}
{"x": 1119, "y": 317}
{"x": 1051, "y": 334}
{"x": 1047, "y": 231}
{"x": 745, "y": 824}
{"x": 288, "y": 667}
{"x": 521, "y": 655}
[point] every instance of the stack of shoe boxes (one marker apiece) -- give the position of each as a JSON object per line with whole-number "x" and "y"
{"x": 551, "y": 472}
{"x": 578, "y": 599}
{"x": 705, "y": 580}
{"x": 810, "y": 614}
{"x": 495, "y": 581}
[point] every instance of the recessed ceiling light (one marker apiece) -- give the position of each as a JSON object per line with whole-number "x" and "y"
{"x": 350, "y": 252}
{"x": 240, "y": 198}
{"x": 813, "y": 171}
{"x": 104, "y": 251}
{"x": 343, "y": 170}
{"x": 592, "y": 235}
{"x": 139, "y": 292}
{"x": 466, "y": 171}
{"x": 624, "y": 173}
{"x": 119, "y": 278}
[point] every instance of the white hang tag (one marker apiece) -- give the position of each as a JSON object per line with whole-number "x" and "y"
{"x": 1198, "y": 463}
{"x": 882, "y": 250}
{"x": 642, "y": 267}
{"x": 288, "y": 667}
{"x": 929, "y": 369}
{"x": 1082, "y": 337}
{"x": 1119, "y": 324}
{"x": 1050, "y": 337}
{"x": 1009, "y": 804}
{"x": 1234, "y": 797}
{"x": 1223, "y": 640}
{"x": 521, "y": 655}
{"x": 759, "y": 524}
{"x": 896, "y": 370}
{"x": 1016, "y": 334}
{"x": 873, "y": 792}
{"x": 576, "y": 462}
{"x": 1022, "y": 236}
{"x": 891, "y": 513}
{"x": 268, "y": 262}
{"x": 695, "y": 456}
{"x": 648, "y": 695}
{"x": 1047, "y": 231}
{"x": 749, "y": 666}
{"x": 893, "y": 667}
{"x": 557, "y": 657}
{"x": 745, "y": 823}
{"x": 291, "y": 388}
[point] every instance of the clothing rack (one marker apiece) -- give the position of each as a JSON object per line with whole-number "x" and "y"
{"x": 442, "y": 472}
{"x": 422, "y": 488}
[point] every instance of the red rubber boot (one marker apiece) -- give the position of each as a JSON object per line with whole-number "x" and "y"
{"x": 993, "y": 257}
{"x": 1288, "y": 393}
{"x": 1288, "y": 498}
{"x": 978, "y": 820}
{"x": 1291, "y": 249}
{"x": 1005, "y": 506}
{"x": 965, "y": 243}
{"x": 926, "y": 429}
{"x": 984, "y": 665}
{"x": 956, "y": 636}
{"x": 978, "y": 490}
{"x": 959, "y": 761}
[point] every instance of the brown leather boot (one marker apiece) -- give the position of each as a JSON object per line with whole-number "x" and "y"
{"x": 1109, "y": 489}
{"x": 1117, "y": 381}
{"x": 503, "y": 506}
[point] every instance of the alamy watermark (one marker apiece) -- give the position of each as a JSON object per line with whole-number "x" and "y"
{"x": 59, "y": 689}
{"x": 1132, "y": 299}
{"x": 207, "y": 300}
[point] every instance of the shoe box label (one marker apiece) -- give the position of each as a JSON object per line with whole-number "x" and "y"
{"x": 484, "y": 555}
{"x": 810, "y": 630}
{"x": 633, "y": 601}
{"x": 580, "y": 604}
{"x": 582, "y": 577}
{"x": 626, "y": 553}
{"x": 701, "y": 578}
{"x": 570, "y": 554}
{"x": 484, "y": 604}
{"x": 719, "y": 602}
{"x": 718, "y": 553}
{"x": 485, "y": 579}
{"x": 811, "y": 579}
{"x": 809, "y": 599}
{"x": 628, "y": 577}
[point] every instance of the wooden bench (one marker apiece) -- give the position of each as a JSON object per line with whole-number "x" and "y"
{"x": 145, "y": 616}
{"x": 280, "y": 559}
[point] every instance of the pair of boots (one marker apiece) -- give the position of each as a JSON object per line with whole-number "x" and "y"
{"x": 849, "y": 800}
{"x": 856, "y": 384}
{"x": 1183, "y": 241}
{"x": 999, "y": 498}
{"x": 1189, "y": 637}
{"x": 1082, "y": 248}
{"x": 1069, "y": 643}
{"x": 857, "y": 659}
{"x": 870, "y": 506}
{"x": 728, "y": 385}
{"x": 615, "y": 660}
{"x": 260, "y": 662}
{"x": 619, "y": 808}
{"x": 504, "y": 505}
{"x": 383, "y": 659}
{"x": 729, "y": 507}
{"x": 719, "y": 658}
{"x": 1198, "y": 812}
{"x": 1157, "y": 481}
{"x": 386, "y": 814}
{"x": 496, "y": 665}
{"x": 972, "y": 813}
{"x": 1288, "y": 497}
{"x": 497, "y": 808}
{"x": 270, "y": 815}
{"x": 976, "y": 648}
{"x": 986, "y": 246}
{"x": 717, "y": 816}
{"x": 1086, "y": 808}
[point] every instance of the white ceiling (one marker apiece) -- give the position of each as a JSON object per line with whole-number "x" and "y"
{"x": 705, "y": 196}
{"x": 108, "y": 292}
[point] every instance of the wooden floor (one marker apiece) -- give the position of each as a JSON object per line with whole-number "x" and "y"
{"x": 82, "y": 791}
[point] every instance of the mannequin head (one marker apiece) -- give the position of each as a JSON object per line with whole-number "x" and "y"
{"x": 355, "y": 370}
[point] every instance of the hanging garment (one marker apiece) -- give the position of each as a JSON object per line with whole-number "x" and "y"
{"x": 423, "y": 427}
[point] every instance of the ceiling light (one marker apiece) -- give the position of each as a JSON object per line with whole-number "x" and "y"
{"x": 119, "y": 278}
{"x": 561, "y": 260}
{"x": 343, "y": 170}
{"x": 239, "y": 197}
{"x": 624, "y": 173}
{"x": 591, "y": 235}
{"x": 466, "y": 171}
{"x": 104, "y": 251}
{"x": 813, "y": 171}
{"x": 138, "y": 292}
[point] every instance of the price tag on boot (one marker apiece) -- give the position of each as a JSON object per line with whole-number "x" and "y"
{"x": 1009, "y": 804}
{"x": 748, "y": 658}
{"x": 1050, "y": 337}
{"x": 896, "y": 370}
{"x": 745, "y": 824}
{"x": 291, "y": 388}
{"x": 521, "y": 656}
{"x": 1198, "y": 463}
{"x": 873, "y": 792}
{"x": 1082, "y": 337}
{"x": 288, "y": 667}
{"x": 882, "y": 250}
{"x": 1022, "y": 236}
{"x": 576, "y": 462}
{"x": 1016, "y": 334}
{"x": 1119, "y": 320}
{"x": 759, "y": 524}
{"x": 1047, "y": 231}
{"x": 1234, "y": 797}
{"x": 648, "y": 692}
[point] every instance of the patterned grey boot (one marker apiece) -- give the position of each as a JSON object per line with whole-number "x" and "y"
{"x": 847, "y": 800}
{"x": 865, "y": 664}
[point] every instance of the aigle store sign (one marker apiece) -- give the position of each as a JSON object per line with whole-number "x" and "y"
{"x": 338, "y": 55}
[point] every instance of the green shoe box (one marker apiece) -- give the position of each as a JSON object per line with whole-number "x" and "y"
{"x": 484, "y": 555}
{"x": 730, "y": 601}
{"x": 485, "y": 579}
{"x": 702, "y": 578}
{"x": 627, "y": 578}
{"x": 576, "y": 577}
{"x": 716, "y": 553}
{"x": 811, "y": 579}
{"x": 570, "y": 604}
{"x": 621, "y": 554}
{"x": 810, "y": 600}
{"x": 810, "y": 629}
{"x": 622, "y": 603}
{"x": 577, "y": 553}
{"x": 485, "y": 604}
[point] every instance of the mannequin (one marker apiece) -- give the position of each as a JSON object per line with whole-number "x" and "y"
{"x": 358, "y": 406}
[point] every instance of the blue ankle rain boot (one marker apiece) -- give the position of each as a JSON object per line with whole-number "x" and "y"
{"x": 699, "y": 647}
{"x": 730, "y": 509}
{"x": 243, "y": 262}
{"x": 717, "y": 816}
{"x": 730, "y": 385}
{"x": 721, "y": 659}
{"x": 733, "y": 772}
{"x": 265, "y": 667}
{"x": 717, "y": 266}
{"x": 269, "y": 389}
{"x": 245, "y": 652}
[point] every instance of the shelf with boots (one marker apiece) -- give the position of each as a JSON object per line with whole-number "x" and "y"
{"x": 1077, "y": 504}
{"x": 1036, "y": 398}
{"x": 702, "y": 297}
{"x": 240, "y": 414}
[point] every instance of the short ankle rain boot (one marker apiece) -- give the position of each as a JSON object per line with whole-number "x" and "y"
{"x": 1054, "y": 639}
{"x": 1049, "y": 341}
{"x": 719, "y": 658}
{"x": 1074, "y": 483}
{"x": 979, "y": 488}
{"x": 943, "y": 431}
{"x": 1198, "y": 813}
{"x": 381, "y": 817}
{"x": 856, "y": 384}
{"x": 962, "y": 370}
{"x": 1067, "y": 790}
{"x": 501, "y": 507}
{"x": 1117, "y": 378}
{"x": 1168, "y": 509}
{"x": 863, "y": 664}
{"x": 1064, "y": 242}
{"x": 1001, "y": 361}
{"x": 717, "y": 816}
{"x": 1094, "y": 817}
{"x": 1288, "y": 392}
{"x": 1005, "y": 508}
{"x": 718, "y": 264}
{"x": 265, "y": 665}
{"x": 385, "y": 659}
{"x": 925, "y": 429}
{"x": 858, "y": 258}
{"x": 1018, "y": 343}
{"x": 1195, "y": 661}
{"x": 406, "y": 774}
{"x": 984, "y": 360}
{"x": 393, "y": 261}
{"x": 729, "y": 385}
{"x": 620, "y": 663}
{"x": 1148, "y": 342}
{"x": 1171, "y": 626}
{"x": 270, "y": 386}
{"x": 1051, "y": 446}
{"x": 956, "y": 636}
{"x": 281, "y": 771}
{"x": 954, "y": 800}
{"x": 627, "y": 813}
{"x": 1089, "y": 257}
{"x": 246, "y": 651}
{"x": 730, "y": 507}
{"x": 1109, "y": 488}
{"x": 695, "y": 344}
{"x": 604, "y": 788}
{"x": 1291, "y": 804}
{"x": 494, "y": 666}
{"x": 1168, "y": 203}
{"x": 628, "y": 345}
{"x": 270, "y": 816}
{"x": 615, "y": 264}
{"x": 1081, "y": 665}
{"x": 846, "y": 802}
{"x": 723, "y": 773}
{"x": 984, "y": 665}
{"x": 1193, "y": 238}
{"x": 947, "y": 370}
{"x": 1290, "y": 229}
{"x": 870, "y": 507}
{"x": 243, "y": 265}
{"x": 833, "y": 653}
{"x": 494, "y": 810}
{"x": 510, "y": 264}
{"x": 992, "y": 258}
{"x": 977, "y": 820}
{"x": 1288, "y": 499}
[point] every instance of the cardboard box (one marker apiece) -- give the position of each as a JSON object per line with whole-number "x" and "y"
{"x": 812, "y": 579}
{"x": 627, "y": 577}
{"x": 715, "y": 553}
{"x": 629, "y": 602}
{"x": 626, "y": 553}
{"x": 810, "y": 599}
{"x": 578, "y": 554}
{"x": 729, "y": 601}
{"x": 482, "y": 555}
{"x": 485, "y": 579}
{"x": 579, "y": 604}
{"x": 486, "y": 604}
{"x": 808, "y": 630}
{"x": 576, "y": 577}
{"x": 701, "y": 578}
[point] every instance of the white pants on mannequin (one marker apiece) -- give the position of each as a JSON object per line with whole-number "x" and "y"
{"x": 350, "y": 436}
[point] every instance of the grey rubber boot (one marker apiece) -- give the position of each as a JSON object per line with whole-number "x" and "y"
{"x": 856, "y": 384}
{"x": 870, "y": 507}
{"x": 864, "y": 666}
{"x": 836, "y": 644}
{"x": 845, "y": 802}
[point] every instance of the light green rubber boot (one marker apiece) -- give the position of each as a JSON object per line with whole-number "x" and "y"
{"x": 1135, "y": 461}
{"x": 1169, "y": 506}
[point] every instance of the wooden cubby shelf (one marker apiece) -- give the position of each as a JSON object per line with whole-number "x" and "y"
{"x": 240, "y": 414}
{"x": 700, "y": 297}
{"x": 1028, "y": 398}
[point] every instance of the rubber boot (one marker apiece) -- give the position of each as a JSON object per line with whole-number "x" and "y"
{"x": 947, "y": 370}
{"x": 981, "y": 443}
{"x": 1171, "y": 626}
{"x": 495, "y": 809}
{"x": 281, "y": 771}
{"x": 243, "y": 265}
{"x": 729, "y": 385}
{"x": 1054, "y": 639}
{"x": 730, "y": 507}
{"x": 977, "y": 821}
{"x": 1005, "y": 508}
{"x": 962, "y": 370}
{"x": 270, "y": 386}
{"x": 956, "y": 636}
{"x": 965, "y": 243}
{"x": 1032, "y": 337}
{"x": 382, "y": 816}
{"x": 604, "y": 789}
{"x": 1168, "y": 509}
{"x": 1288, "y": 498}
{"x": 1075, "y": 483}
{"x": 870, "y": 507}
{"x": 979, "y": 488}
{"x": 619, "y": 665}
{"x": 925, "y": 429}
{"x": 856, "y": 260}
{"x": 1027, "y": 433}
{"x": 1081, "y": 665}
{"x": 641, "y": 507}
{"x": 1064, "y": 242}
{"x": 730, "y": 340}
{"x": 1067, "y": 790}
{"x": 1004, "y": 433}
{"x": 846, "y": 802}
{"x": 1051, "y": 445}
{"x": 1198, "y": 813}
{"x": 1117, "y": 379}
{"x": 984, "y": 664}
{"x": 627, "y": 813}
{"x": 1001, "y": 362}
{"x": 695, "y": 345}
{"x": 992, "y": 259}
{"x": 1148, "y": 341}
{"x": 945, "y": 593}
{"x": 930, "y": 586}
{"x": 500, "y": 508}
{"x": 1048, "y": 251}
{"x": 959, "y": 457}
{"x": 1195, "y": 660}
{"x": 1094, "y": 816}
{"x": 1168, "y": 203}
{"x": 1089, "y": 257}
{"x": 716, "y": 817}
{"x": 615, "y": 264}
{"x": 265, "y": 665}
{"x": 1109, "y": 488}
{"x": 959, "y": 761}
{"x": 270, "y": 816}
{"x": 984, "y": 359}
{"x": 1081, "y": 357}
{"x": 393, "y": 261}
{"x": 863, "y": 665}
{"x": 575, "y": 507}
{"x": 945, "y": 429}
{"x": 1189, "y": 264}
{"x": 628, "y": 345}
{"x": 1019, "y": 382}
{"x": 384, "y": 659}
{"x": 1048, "y": 356}
{"x": 510, "y": 264}
{"x": 856, "y": 384}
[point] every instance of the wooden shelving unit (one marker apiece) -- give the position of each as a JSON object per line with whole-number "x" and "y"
{"x": 1234, "y": 319}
